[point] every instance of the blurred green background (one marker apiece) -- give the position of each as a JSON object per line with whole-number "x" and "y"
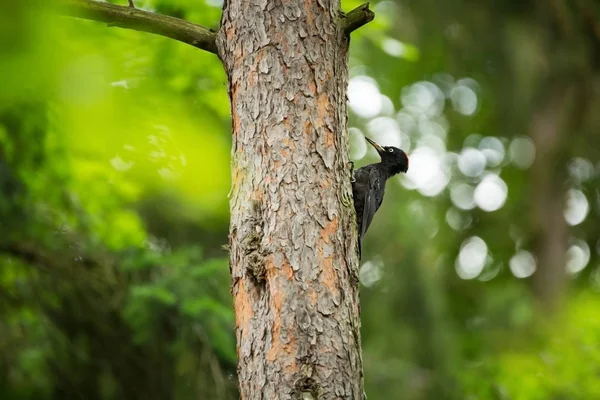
{"x": 480, "y": 274}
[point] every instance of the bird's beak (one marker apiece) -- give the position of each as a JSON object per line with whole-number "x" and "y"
{"x": 374, "y": 144}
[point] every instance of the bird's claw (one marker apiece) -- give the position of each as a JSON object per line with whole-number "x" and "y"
{"x": 346, "y": 200}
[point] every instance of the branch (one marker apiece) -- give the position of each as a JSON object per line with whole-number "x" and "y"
{"x": 33, "y": 256}
{"x": 139, "y": 20}
{"x": 358, "y": 17}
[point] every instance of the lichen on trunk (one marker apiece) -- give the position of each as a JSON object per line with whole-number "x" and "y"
{"x": 293, "y": 250}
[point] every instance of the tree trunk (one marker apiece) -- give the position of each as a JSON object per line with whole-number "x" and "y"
{"x": 558, "y": 120}
{"x": 548, "y": 130}
{"x": 292, "y": 233}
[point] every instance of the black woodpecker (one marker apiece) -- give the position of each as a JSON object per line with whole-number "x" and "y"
{"x": 368, "y": 185}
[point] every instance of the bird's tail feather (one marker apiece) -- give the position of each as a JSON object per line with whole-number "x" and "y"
{"x": 359, "y": 248}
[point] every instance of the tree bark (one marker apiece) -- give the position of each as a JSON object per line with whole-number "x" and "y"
{"x": 293, "y": 249}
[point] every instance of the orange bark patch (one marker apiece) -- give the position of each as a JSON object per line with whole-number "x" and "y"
{"x": 323, "y": 110}
{"x": 323, "y": 104}
{"x": 286, "y": 270}
{"x": 236, "y": 122}
{"x": 328, "y": 274}
{"x": 274, "y": 270}
{"x": 308, "y": 130}
{"x": 309, "y": 16}
{"x": 279, "y": 350}
{"x": 285, "y": 154}
{"x": 259, "y": 194}
{"x": 230, "y": 33}
{"x": 312, "y": 296}
{"x": 283, "y": 352}
{"x": 243, "y": 307}
{"x": 234, "y": 115}
{"x": 253, "y": 78}
{"x": 312, "y": 87}
{"x": 329, "y": 229}
{"x": 289, "y": 144}
{"x": 329, "y": 142}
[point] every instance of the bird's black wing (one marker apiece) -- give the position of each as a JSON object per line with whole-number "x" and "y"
{"x": 367, "y": 190}
{"x": 372, "y": 200}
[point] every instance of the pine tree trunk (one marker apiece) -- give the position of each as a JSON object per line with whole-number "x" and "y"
{"x": 292, "y": 233}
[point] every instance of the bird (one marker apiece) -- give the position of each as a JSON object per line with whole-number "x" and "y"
{"x": 368, "y": 185}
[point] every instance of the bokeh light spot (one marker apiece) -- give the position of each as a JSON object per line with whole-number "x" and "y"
{"x": 458, "y": 220}
{"x": 385, "y": 131}
{"x": 423, "y": 98}
{"x": 429, "y": 127}
{"x": 394, "y": 47}
{"x": 371, "y": 272}
{"x": 387, "y": 106}
{"x": 578, "y": 256}
{"x": 522, "y": 264}
{"x": 493, "y": 150}
{"x": 119, "y": 164}
{"x": 434, "y": 142}
{"x": 577, "y": 207}
{"x": 522, "y": 152}
{"x": 425, "y": 173}
{"x": 491, "y": 193}
{"x": 464, "y": 100}
{"x": 471, "y": 162}
{"x": 364, "y": 97}
{"x": 358, "y": 145}
{"x": 406, "y": 121}
{"x": 581, "y": 170}
{"x": 472, "y": 257}
{"x": 462, "y": 196}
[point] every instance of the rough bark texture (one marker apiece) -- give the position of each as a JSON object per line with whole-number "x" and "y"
{"x": 292, "y": 234}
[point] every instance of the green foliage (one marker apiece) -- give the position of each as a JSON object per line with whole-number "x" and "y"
{"x": 87, "y": 144}
{"x": 562, "y": 363}
{"x": 186, "y": 285}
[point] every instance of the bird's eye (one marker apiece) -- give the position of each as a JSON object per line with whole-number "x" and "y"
{"x": 391, "y": 150}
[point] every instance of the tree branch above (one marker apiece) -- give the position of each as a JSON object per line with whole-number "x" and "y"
{"x": 358, "y": 17}
{"x": 140, "y": 20}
